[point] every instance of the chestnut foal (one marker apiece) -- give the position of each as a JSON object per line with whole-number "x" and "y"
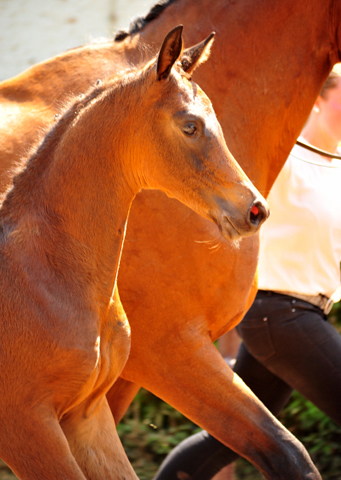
{"x": 64, "y": 335}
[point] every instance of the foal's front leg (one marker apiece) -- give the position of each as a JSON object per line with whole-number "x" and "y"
{"x": 90, "y": 426}
{"x": 34, "y": 446}
{"x": 94, "y": 442}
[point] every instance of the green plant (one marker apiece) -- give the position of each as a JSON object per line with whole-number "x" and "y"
{"x": 320, "y": 435}
{"x": 150, "y": 430}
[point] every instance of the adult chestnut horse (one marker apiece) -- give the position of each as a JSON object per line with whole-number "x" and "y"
{"x": 264, "y": 75}
{"x": 63, "y": 339}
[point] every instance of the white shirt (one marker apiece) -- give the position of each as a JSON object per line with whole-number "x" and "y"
{"x": 300, "y": 247}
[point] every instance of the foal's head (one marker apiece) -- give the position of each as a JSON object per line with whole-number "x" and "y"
{"x": 150, "y": 128}
{"x": 182, "y": 150}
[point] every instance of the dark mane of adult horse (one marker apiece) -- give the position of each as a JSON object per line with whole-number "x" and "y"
{"x": 183, "y": 287}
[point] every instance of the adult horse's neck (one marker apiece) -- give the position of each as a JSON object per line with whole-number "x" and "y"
{"x": 276, "y": 60}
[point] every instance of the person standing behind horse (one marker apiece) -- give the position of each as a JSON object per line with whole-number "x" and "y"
{"x": 287, "y": 342}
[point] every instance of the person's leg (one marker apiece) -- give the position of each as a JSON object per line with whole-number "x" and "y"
{"x": 269, "y": 388}
{"x": 304, "y": 350}
{"x": 199, "y": 457}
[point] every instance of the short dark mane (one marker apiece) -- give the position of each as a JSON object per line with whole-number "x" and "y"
{"x": 140, "y": 22}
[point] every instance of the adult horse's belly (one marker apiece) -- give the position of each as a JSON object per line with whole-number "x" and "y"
{"x": 180, "y": 282}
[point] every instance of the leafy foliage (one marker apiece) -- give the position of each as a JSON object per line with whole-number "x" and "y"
{"x": 320, "y": 435}
{"x": 150, "y": 430}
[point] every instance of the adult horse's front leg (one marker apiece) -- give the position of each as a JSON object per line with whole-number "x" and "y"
{"x": 94, "y": 442}
{"x": 206, "y": 390}
{"x": 175, "y": 315}
{"x": 120, "y": 396}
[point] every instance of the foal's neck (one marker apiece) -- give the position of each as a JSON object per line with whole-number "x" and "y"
{"x": 74, "y": 187}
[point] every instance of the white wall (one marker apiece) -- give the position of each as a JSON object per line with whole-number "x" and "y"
{"x": 34, "y": 30}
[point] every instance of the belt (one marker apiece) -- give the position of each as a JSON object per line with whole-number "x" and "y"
{"x": 321, "y": 301}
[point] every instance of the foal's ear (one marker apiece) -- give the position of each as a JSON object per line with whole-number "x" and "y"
{"x": 195, "y": 56}
{"x": 170, "y": 51}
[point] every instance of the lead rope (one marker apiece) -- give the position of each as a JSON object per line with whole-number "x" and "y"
{"x": 319, "y": 152}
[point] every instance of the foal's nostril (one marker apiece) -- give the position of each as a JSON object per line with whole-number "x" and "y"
{"x": 258, "y": 213}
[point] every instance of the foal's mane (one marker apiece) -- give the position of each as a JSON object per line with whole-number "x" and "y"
{"x": 139, "y": 23}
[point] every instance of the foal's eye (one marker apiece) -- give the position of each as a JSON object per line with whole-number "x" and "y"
{"x": 190, "y": 129}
